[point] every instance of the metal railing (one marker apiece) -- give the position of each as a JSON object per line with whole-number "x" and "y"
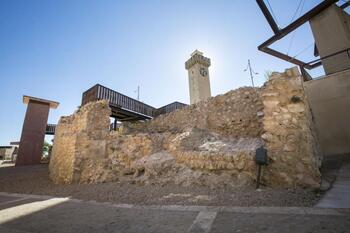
{"x": 99, "y": 92}
{"x": 170, "y": 108}
{"x": 317, "y": 62}
{"x": 50, "y": 129}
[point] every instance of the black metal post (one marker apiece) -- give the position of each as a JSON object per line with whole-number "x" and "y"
{"x": 268, "y": 16}
{"x": 115, "y": 124}
{"x": 286, "y": 30}
{"x": 258, "y": 177}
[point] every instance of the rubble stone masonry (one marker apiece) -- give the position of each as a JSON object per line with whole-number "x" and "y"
{"x": 211, "y": 143}
{"x": 288, "y": 132}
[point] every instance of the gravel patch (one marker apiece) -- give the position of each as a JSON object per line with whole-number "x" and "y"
{"x": 35, "y": 180}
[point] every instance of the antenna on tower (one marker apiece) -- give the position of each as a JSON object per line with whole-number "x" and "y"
{"x": 251, "y": 71}
{"x": 138, "y": 92}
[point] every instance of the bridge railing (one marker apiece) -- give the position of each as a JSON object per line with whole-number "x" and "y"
{"x": 99, "y": 92}
{"x": 170, "y": 108}
{"x": 50, "y": 129}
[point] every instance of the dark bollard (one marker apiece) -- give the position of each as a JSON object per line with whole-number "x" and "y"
{"x": 260, "y": 159}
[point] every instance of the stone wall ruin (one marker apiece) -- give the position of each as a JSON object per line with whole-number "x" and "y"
{"x": 210, "y": 143}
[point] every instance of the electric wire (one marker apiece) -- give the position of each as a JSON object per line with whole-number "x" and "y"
{"x": 303, "y": 50}
{"x": 273, "y": 13}
{"x": 296, "y": 11}
{"x": 301, "y": 3}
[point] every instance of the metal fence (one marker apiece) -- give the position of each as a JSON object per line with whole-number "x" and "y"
{"x": 50, "y": 129}
{"x": 99, "y": 92}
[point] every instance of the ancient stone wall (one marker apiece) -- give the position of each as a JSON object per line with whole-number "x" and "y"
{"x": 292, "y": 147}
{"x": 235, "y": 114}
{"x": 63, "y": 152}
{"x": 211, "y": 143}
{"x": 80, "y": 144}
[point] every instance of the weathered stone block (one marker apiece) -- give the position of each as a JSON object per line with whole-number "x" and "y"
{"x": 288, "y": 135}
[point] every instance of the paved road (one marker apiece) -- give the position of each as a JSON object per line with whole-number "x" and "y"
{"x": 339, "y": 195}
{"x": 32, "y": 213}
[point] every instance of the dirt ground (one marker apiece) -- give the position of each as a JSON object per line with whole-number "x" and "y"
{"x": 34, "y": 180}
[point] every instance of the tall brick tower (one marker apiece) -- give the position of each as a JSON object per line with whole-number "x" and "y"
{"x": 198, "y": 77}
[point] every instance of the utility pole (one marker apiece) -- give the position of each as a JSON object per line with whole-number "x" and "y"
{"x": 251, "y": 71}
{"x": 138, "y": 92}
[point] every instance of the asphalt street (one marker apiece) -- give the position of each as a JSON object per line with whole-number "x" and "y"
{"x": 20, "y": 213}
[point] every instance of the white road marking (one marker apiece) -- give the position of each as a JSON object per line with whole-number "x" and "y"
{"x": 203, "y": 222}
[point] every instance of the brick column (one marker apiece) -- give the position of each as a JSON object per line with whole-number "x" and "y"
{"x": 33, "y": 131}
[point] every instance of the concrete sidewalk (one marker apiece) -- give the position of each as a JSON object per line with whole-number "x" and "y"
{"x": 339, "y": 195}
{"x": 21, "y": 213}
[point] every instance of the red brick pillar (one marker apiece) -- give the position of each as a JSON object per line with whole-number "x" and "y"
{"x": 33, "y": 131}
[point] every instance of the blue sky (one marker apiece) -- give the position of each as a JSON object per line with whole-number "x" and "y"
{"x": 58, "y": 49}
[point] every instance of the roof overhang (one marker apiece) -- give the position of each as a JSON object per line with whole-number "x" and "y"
{"x": 53, "y": 104}
{"x": 279, "y": 33}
